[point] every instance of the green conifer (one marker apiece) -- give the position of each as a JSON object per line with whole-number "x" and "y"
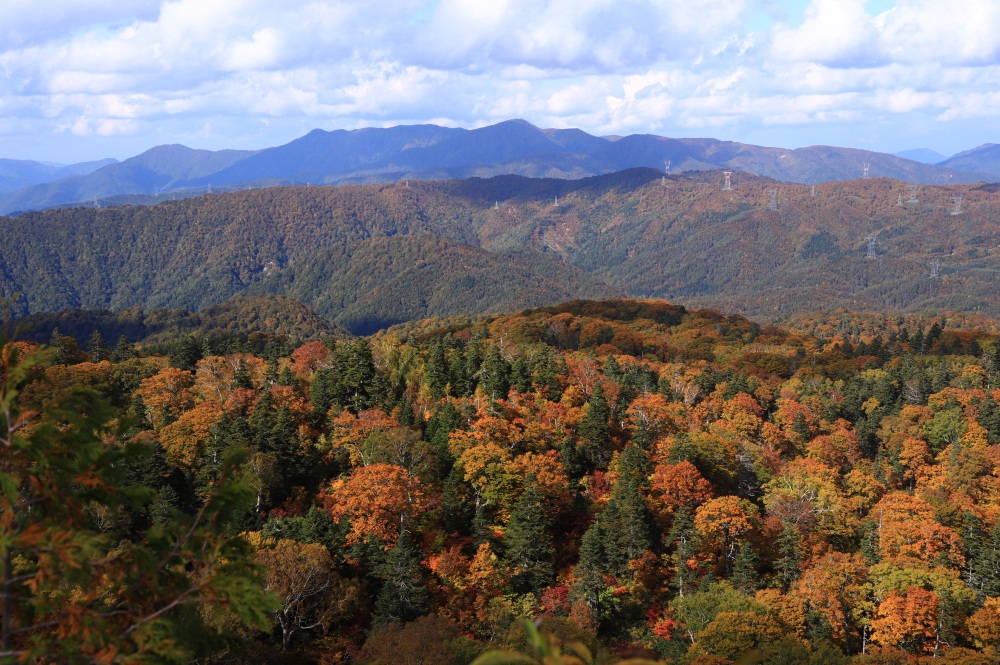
{"x": 403, "y": 596}
{"x": 436, "y": 370}
{"x": 595, "y": 430}
{"x": 528, "y": 546}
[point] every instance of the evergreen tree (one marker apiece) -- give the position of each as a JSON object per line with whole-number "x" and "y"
{"x": 358, "y": 374}
{"x": 123, "y": 350}
{"x": 592, "y": 567}
{"x": 97, "y": 347}
{"x": 241, "y": 377}
{"x": 626, "y": 518}
{"x": 612, "y": 369}
{"x": 60, "y": 345}
{"x": 407, "y": 417}
{"x": 323, "y": 392}
{"x": 528, "y": 546}
{"x": 271, "y": 376}
{"x": 403, "y": 596}
{"x": 547, "y": 367}
{"x": 474, "y": 354}
{"x": 745, "y": 575}
{"x": 495, "y": 373}
{"x": 790, "y": 556}
{"x": 458, "y": 512}
{"x": 138, "y": 414}
{"x": 287, "y": 378}
{"x": 595, "y": 430}
{"x": 436, "y": 370}
{"x": 187, "y": 351}
{"x": 444, "y": 420}
{"x": 572, "y": 460}
{"x": 680, "y": 542}
{"x": 458, "y": 371}
{"x": 989, "y": 418}
{"x": 520, "y": 374}
{"x": 983, "y": 559}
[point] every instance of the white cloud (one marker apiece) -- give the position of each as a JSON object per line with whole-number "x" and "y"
{"x": 837, "y": 33}
{"x": 213, "y": 70}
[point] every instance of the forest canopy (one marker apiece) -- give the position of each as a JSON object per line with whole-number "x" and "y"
{"x": 641, "y": 478}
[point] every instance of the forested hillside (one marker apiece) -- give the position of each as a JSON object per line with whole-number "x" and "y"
{"x": 369, "y": 256}
{"x": 642, "y": 478}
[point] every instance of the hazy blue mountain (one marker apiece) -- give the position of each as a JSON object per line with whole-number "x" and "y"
{"x": 923, "y": 155}
{"x": 16, "y": 174}
{"x": 985, "y": 158}
{"x": 161, "y": 168}
{"x": 429, "y": 152}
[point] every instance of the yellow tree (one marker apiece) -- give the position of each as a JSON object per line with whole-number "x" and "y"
{"x": 834, "y": 588}
{"x": 378, "y": 499}
{"x": 724, "y": 522}
{"x": 907, "y": 619}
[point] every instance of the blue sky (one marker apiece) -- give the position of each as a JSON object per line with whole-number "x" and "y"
{"x": 84, "y": 80}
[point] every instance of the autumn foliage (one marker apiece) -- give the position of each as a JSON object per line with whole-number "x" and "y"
{"x": 637, "y": 476}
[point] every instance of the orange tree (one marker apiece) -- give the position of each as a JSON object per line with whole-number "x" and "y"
{"x": 69, "y": 594}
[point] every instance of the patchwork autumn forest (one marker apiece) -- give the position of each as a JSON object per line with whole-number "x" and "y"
{"x": 645, "y": 480}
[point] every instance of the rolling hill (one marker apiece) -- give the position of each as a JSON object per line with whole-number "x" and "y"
{"x": 368, "y": 256}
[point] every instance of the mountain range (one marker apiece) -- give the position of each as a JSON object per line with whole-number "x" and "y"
{"x": 429, "y": 152}
{"x": 369, "y": 256}
{"x": 17, "y": 174}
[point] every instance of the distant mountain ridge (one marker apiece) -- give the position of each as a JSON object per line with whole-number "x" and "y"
{"x": 922, "y": 155}
{"x": 985, "y": 158}
{"x": 17, "y": 174}
{"x": 430, "y": 152}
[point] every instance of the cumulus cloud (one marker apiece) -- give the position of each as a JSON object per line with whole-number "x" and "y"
{"x": 838, "y": 33}
{"x": 235, "y": 72}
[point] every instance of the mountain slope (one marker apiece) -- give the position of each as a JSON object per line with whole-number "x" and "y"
{"x": 162, "y": 167}
{"x": 429, "y": 152}
{"x": 367, "y": 256}
{"x": 985, "y": 158}
{"x": 17, "y": 174}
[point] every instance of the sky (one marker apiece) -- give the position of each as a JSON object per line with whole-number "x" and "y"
{"x": 88, "y": 79}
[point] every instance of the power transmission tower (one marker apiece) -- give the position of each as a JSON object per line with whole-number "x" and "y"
{"x": 666, "y": 166}
{"x": 866, "y": 166}
{"x": 957, "y": 210}
{"x": 773, "y": 204}
{"x": 871, "y": 247}
{"x": 555, "y": 204}
{"x": 814, "y": 191}
{"x": 900, "y": 201}
{"x": 728, "y": 187}
{"x": 913, "y": 193}
{"x": 935, "y": 269}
